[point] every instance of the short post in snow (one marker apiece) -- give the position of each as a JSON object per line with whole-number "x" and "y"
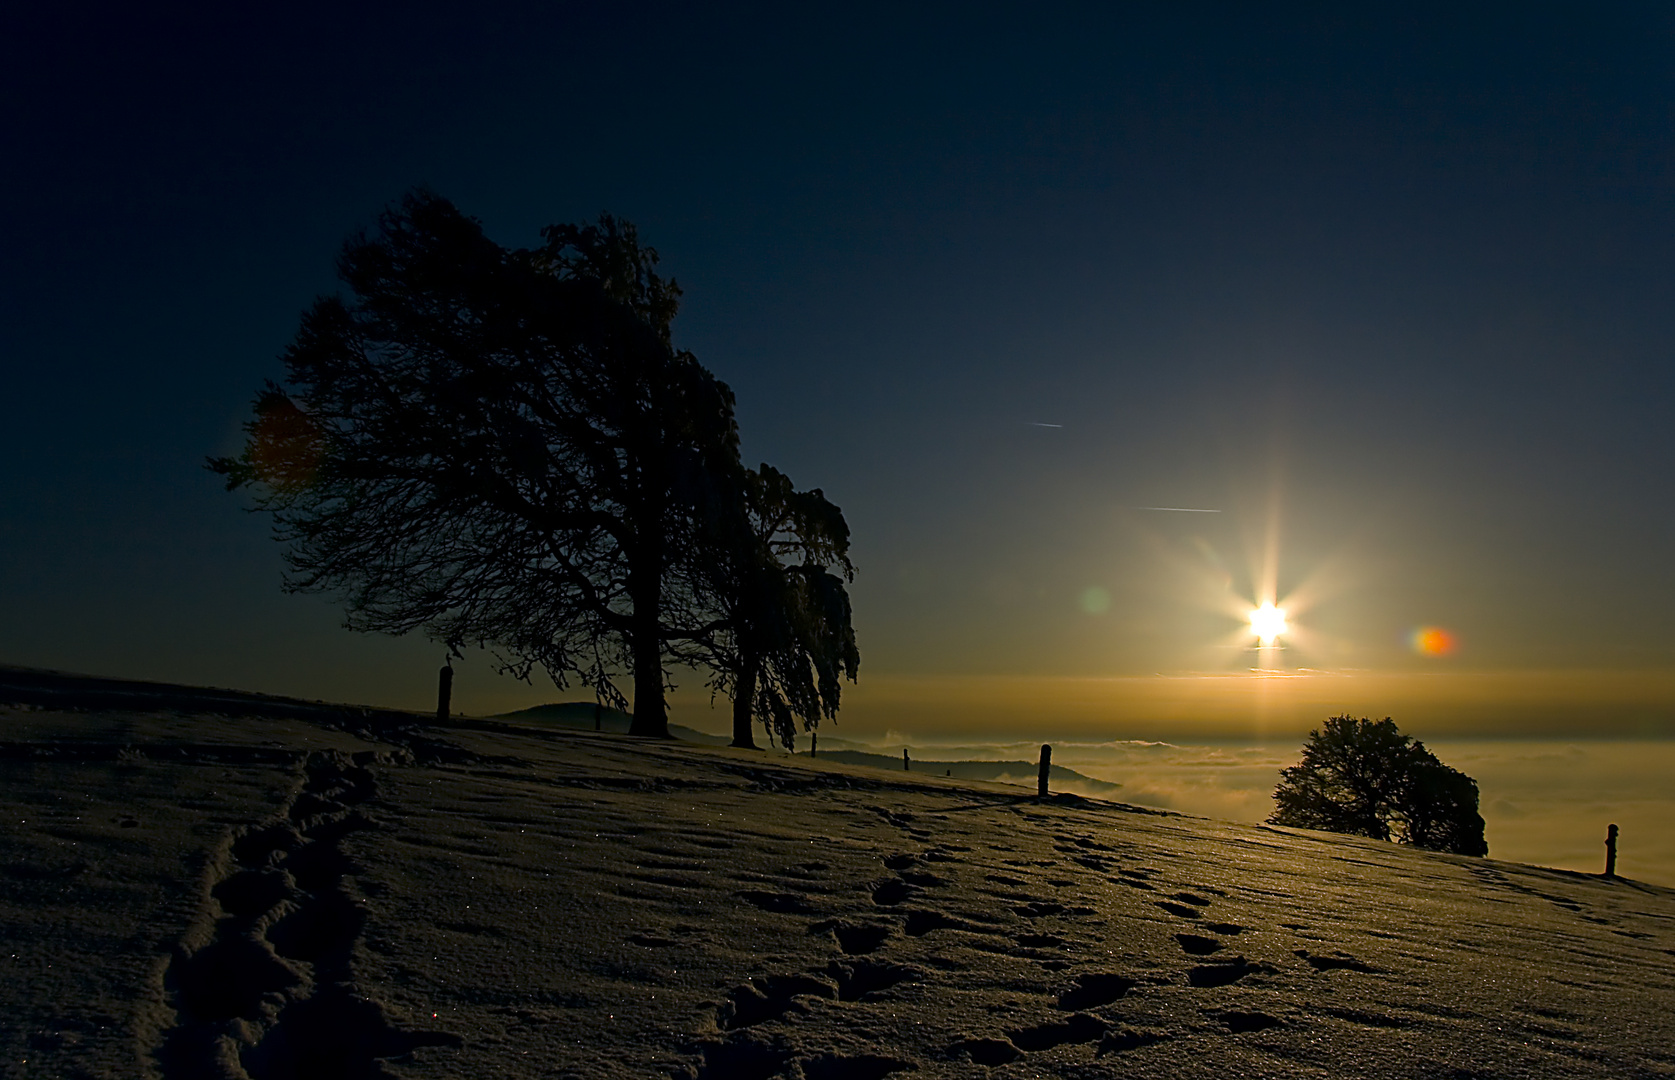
{"x": 814, "y": 745}
{"x": 1046, "y": 767}
{"x": 904, "y": 765}
{"x": 444, "y": 691}
{"x": 598, "y": 716}
{"x": 1611, "y": 851}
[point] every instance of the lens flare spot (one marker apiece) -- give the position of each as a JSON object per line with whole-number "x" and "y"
{"x": 1432, "y": 641}
{"x": 1268, "y": 622}
{"x": 1095, "y": 601}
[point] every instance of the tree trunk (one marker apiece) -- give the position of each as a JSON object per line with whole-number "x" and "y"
{"x": 743, "y": 694}
{"x": 650, "y": 717}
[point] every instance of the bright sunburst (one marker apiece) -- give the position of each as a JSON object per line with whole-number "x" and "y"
{"x": 1267, "y": 623}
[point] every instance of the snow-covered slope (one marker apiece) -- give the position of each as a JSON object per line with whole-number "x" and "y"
{"x": 194, "y": 895}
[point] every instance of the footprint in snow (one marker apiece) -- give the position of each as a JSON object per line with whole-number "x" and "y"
{"x": 891, "y": 892}
{"x": 1335, "y": 962}
{"x": 769, "y": 997}
{"x": 1240, "y": 1022}
{"x": 989, "y": 1052}
{"x": 860, "y": 980}
{"x": 1125, "y": 1039}
{"x": 1222, "y": 973}
{"x": 1094, "y": 989}
{"x": 855, "y": 1067}
{"x": 1367, "y": 1019}
{"x": 778, "y": 902}
{"x": 1081, "y": 1028}
{"x": 651, "y": 941}
{"x": 1198, "y": 945}
{"x": 855, "y": 939}
{"x": 920, "y": 923}
{"x": 739, "y": 1057}
{"x": 1038, "y": 941}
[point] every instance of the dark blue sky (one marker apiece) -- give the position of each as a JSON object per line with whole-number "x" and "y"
{"x": 1390, "y": 290}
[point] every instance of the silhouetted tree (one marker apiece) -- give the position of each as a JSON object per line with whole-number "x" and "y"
{"x": 1439, "y": 809}
{"x": 1365, "y": 777}
{"x": 784, "y": 639}
{"x": 498, "y": 447}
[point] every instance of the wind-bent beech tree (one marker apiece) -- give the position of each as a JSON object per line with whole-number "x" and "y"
{"x": 498, "y": 447}
{"x": 783, "y": 638}
{"x": 1366, "y": 778}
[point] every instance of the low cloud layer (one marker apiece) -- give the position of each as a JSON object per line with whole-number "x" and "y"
{"x": 1546, "y": 802}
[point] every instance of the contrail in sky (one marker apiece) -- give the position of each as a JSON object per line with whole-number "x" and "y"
{"x": 1037, "y": 423}
{"x": 1178, "y": 509}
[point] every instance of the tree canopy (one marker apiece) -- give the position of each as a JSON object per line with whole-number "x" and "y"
{"x": 1366, "y": 778}
{"x": 503, "y": 448}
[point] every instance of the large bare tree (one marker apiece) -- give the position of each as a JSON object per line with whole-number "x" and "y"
{"x": 500, "y": 447}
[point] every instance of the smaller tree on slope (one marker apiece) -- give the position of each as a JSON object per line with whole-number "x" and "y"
{"x": 1366, "y": 778}
{"x": 775, "y": 569}
{"x": 1439, "y": 810}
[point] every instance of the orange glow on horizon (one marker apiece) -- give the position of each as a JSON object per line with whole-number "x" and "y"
{"x": 1191, "y": 706}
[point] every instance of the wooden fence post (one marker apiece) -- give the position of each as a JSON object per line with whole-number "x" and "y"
{"x": 1611, "y": 851}
{"x": 1046, "y": 767}
{"x": 444, "y": 692}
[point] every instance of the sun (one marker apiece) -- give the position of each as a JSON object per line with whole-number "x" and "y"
{"x": 1267, "y": 623}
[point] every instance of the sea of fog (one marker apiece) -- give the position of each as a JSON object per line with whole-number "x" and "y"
{"x": 1544, "y": 802}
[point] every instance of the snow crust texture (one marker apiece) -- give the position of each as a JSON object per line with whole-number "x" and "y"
{"x": 298, "y": 899}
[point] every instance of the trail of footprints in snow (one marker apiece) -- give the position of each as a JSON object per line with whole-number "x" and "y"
{"x": 271, "y": 995}
{"x": 854, "y": 977}
{"x": 857, "y": 978}
{"x": 1094, "y": 990}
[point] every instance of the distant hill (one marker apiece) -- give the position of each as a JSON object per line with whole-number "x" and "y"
{"x": 1014, "y": 772}
{"x": 583, "y": 714}
{"x": 573, "y": 714}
